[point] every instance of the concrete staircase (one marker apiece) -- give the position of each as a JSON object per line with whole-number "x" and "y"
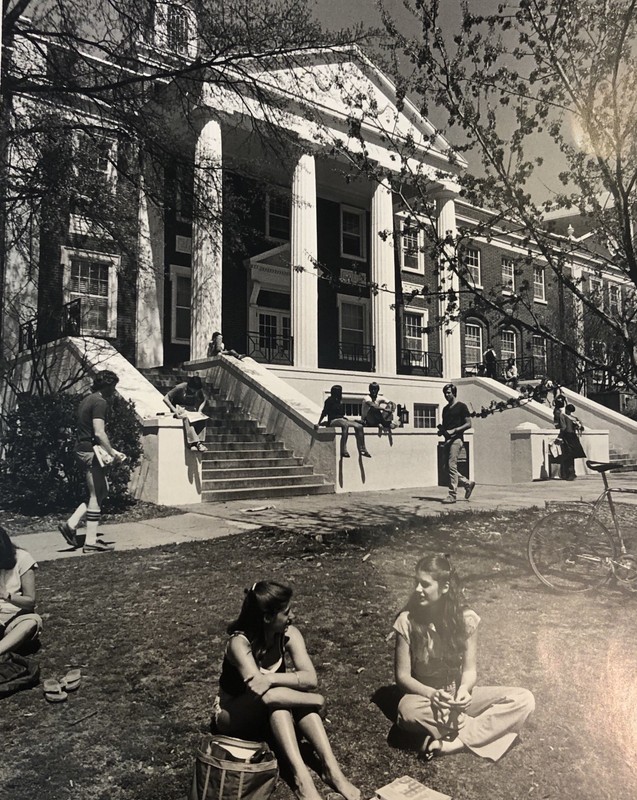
{"x": 243, "y": 460}
{"x": 625, "y": 461}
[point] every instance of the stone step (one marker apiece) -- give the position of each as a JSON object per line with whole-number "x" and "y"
{"x": 267, "y": 492}
{"x": 236, "y": 425}
{"x": 239, "y": 437}
{"x": 255, "y": 473}
{"x": 232, "y": 462}
{"x": 244, "y": 483}
{"x": 253, "y": 447}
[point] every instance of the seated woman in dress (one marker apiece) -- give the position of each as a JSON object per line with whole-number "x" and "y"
{"x": 187, "y": 401}
{"x": 435, "y": 664}
{"x": 259, "y": 697}
{"x": 19, "y": 625}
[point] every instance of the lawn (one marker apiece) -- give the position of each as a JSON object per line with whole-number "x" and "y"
{"x": 147, "y": 629}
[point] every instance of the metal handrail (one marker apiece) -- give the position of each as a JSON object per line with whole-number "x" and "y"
{"x": 422, "y": 362}
{"x": 270, "y": 348}
{"x": 42, "y": 329}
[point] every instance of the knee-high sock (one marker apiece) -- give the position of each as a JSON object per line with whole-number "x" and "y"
{"x": 92, "y": 522}
{"x": 77, "y": 516}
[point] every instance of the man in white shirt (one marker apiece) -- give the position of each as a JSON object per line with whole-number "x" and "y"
{"x": 377, "y": 410}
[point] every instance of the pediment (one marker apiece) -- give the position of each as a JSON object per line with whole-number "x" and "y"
{"x": 328, "y": 89}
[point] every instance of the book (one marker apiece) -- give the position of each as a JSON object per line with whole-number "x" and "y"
{"x": 105, "y": 459}
{"x": 407, "y": 788}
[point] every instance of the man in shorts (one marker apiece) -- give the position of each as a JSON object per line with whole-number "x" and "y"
{"x": 91, "y": 430}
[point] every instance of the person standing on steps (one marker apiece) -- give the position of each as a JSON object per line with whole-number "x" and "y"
{"x": 456, "y": 419}
{"x": 91, "y": 430}
{"x": 335, "y": 413}
{"x": 187, "y": 401}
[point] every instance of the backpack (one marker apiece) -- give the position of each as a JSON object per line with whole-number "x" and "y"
{"x": 17, "y": 672}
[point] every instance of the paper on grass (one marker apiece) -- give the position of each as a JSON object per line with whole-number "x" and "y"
{"x": 407, "y": 788}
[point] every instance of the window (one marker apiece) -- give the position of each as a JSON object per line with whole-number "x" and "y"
{"x": 353, "y": 233}
{"x": 96, "y": 156}
{"x": 177, "y": 29}
{"x": 180, "y": 306}
{"x": 614, "y": 299}
{"x": 472, "y": 345}
{"x": 277, "y": 216}
{"x": 425, "y": 415}
{"x": 414, "y": 337}
{"x": 596, "y": 291}
{"x": 472, "y": 263}
{"x": 507, "y": 345}
{"x": 353, "y": 330}
{"x": 508, "y": 275}
{"x": 539, "y": 354}
{"x": 184, "y": 185}
{"x": 538, "y": 284}
{"x": 410, "y": 253}
{"x": 92, "y": 277}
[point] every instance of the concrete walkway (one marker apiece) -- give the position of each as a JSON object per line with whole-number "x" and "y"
{"x": 327, "y": 512}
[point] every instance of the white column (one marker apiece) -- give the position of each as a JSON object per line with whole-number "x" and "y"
{"x": 303, "y": 255}
{"x": 149, "y": 350}
{"x": 206, "y": 240}
{"x": 384, "y": 277}
{"x": 447, "y": 279}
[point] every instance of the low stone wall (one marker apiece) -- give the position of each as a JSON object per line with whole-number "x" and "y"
{"x": 530, "y": 452}
{"x": 409, "y": 461}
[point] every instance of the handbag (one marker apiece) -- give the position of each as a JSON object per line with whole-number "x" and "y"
{"x": 555, "y": 450}
{"x": 233, "y": 769}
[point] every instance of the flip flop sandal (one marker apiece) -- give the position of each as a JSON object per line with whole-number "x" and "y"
{"x": 71, "y": 681}
{"x": 427, "y": 752}
{"x": 53, "y": 691}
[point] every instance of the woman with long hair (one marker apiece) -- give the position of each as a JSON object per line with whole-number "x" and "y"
{"x": 260, "y": 697}
{"x": 18, "y": 622}
{"x": 435, "y": 665}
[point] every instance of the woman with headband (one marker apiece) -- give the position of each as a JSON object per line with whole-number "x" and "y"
{"x": 259, "y": 697}
{"x": 435, "y": 664}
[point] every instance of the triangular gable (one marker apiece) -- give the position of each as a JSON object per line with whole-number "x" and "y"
{"x": 327, "y": 88}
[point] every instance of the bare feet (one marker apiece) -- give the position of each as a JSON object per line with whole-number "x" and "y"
{"x": 305, "y": 789}
{"x": 337, "y": 781}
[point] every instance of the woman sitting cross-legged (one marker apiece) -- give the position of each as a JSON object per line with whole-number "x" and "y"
{"x": 260, "y": 698}
{"x": 435, "y": 663}
{"x": 18, "y": 624}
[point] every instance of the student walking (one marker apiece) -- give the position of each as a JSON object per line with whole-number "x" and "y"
{"x": 436, "y": 669}
{"x": 91, "y": 430}
{"x": 455, "y": 421}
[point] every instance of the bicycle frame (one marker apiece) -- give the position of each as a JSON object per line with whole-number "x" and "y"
{"x": 607, "y": 495}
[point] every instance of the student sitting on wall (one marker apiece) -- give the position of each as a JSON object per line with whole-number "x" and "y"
{"x": 335, "y": 413}
{"x": 217, "y": 347}
{"x": 377, "y": 410}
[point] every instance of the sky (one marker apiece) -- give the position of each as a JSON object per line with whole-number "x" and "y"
{"x": 337, "y": 14}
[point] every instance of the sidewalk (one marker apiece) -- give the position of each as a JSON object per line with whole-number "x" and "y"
{"x": 326, "y": 512}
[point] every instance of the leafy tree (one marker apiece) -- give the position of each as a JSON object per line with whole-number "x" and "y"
{"x": 533, "y": 82}
{"x": 91, "y": 88}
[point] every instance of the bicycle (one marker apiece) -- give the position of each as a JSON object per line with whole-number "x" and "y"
{"x": 573, "y": 551}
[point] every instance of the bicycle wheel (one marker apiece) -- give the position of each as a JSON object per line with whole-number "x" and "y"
{"x": 571, "y": 551}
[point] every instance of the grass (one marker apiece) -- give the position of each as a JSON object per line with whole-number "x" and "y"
{"x": 147, "y": 630}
